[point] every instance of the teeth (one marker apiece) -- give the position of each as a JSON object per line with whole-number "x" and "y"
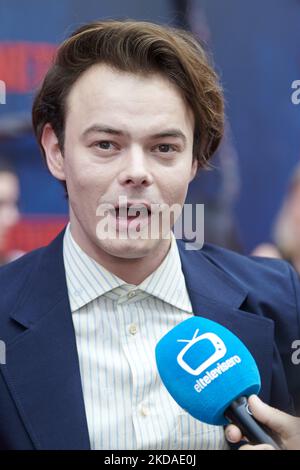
{"x": 136, "y": 210}
{"x": 139, "y": 210}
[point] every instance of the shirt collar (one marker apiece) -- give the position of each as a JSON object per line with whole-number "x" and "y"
{"x": 167, "y": 282}
{"x": 88, "y": 280}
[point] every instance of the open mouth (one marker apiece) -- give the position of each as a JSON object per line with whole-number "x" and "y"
{"x": 133, "y": 217}
{"x": 132, "y": 212}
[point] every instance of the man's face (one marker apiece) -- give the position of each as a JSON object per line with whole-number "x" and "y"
{"x": 9, "y": 212}
{"x": 125, "y": 135}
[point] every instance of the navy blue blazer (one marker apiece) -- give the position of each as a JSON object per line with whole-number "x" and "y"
{"x": 41, "y": 399}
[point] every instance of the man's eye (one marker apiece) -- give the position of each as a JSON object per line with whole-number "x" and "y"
{"x": 104, "y": 145}
{"x": 165, "y": 148}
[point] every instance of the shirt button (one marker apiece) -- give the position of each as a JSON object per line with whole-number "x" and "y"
{"x": 133, "y": 329}
{"x": 144, "y": 410}
{"x": 131, "y": 294}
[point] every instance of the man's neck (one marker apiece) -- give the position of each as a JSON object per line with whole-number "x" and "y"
{"x": 131, "y": 270}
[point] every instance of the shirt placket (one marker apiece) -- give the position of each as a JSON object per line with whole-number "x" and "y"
{"x": 134, "y": 351}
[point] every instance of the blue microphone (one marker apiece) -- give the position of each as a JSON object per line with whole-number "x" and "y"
{"x": 210, "y": 373}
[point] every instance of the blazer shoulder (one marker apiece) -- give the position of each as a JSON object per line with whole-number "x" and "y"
{"x": 273, "y": 285}
{"x": 15, "y": 276}
{"x": 267, "y": 280}
{"x": 248, "y": 266}
{"x": 26, "y": 261}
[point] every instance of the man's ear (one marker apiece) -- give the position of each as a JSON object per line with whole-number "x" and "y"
{"x": 194, "y": 169}
{"x": 54, "y": 157}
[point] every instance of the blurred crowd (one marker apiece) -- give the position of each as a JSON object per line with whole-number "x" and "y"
{"x": 9, "y": 210}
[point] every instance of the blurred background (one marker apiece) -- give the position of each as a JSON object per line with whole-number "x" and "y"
{"x": 255, "y": 47}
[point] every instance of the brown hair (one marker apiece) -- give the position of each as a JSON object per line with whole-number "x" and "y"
{"x": 137, "y": 47}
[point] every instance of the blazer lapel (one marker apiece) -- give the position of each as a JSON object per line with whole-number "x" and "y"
{"x": 42, "y": 369}
{"x": 218, "y": 296}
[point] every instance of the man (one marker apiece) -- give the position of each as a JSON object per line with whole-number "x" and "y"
{"x": 126, "y": 116}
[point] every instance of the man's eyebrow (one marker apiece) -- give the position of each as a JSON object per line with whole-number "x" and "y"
{"x": 170, "y": 133}
{"x": 177, "y": 133}
{"x": 106, "y": 129}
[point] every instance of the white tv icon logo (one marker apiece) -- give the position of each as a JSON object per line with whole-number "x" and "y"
{"x": 220, "y": 351}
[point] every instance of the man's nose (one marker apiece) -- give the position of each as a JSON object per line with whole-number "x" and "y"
{"x": 136, "y": 168}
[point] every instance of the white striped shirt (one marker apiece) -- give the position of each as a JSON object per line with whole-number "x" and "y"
{"x": 117, "y": 327}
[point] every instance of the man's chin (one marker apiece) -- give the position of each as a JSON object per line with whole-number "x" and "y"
{"x": 128, "y": 248}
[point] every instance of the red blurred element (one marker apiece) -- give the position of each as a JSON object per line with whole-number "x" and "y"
{"x": 34, "y": 232}
{"x": 24, "y": 64}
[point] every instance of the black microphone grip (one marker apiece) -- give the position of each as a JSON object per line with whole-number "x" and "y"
{"x": 238, "y": 413}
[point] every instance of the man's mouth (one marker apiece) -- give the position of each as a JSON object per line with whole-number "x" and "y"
{"x": 133, "y": 215}
{"x": 132, "y": 212}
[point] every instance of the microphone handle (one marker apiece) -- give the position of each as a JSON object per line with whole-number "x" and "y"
{"x": 239, "y": 414}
